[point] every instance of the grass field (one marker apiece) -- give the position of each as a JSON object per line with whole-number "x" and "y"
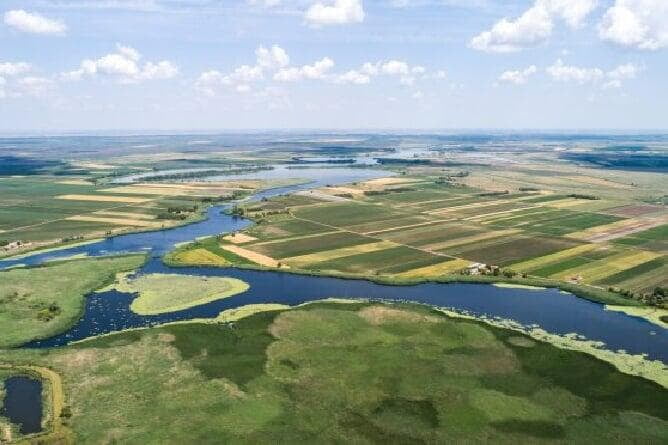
{"x": 43, "y": 301}
{"x": 347, "y": 373}
{"x": 162, "y": 293}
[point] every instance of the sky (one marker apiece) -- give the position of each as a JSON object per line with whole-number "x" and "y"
{"x": 85, "y": 65}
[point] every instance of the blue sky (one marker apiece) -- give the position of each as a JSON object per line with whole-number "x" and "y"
{"x": 333, "y": 64}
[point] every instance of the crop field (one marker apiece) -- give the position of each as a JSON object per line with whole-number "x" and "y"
{"x": 388, "y": 261}
{"x": 309, "y": 244}
{"x": 346, "y": 373}
{"x": 428, "y": 229}
{"x": 42, "y": 210}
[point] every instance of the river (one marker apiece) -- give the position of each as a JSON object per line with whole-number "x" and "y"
{"x": 555, "y": 311}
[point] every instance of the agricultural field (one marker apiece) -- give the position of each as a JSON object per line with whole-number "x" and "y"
{"x": 43, "y": 301}
{"x": 424, "y": 227}
{"x": 43, "y": 211}
{"x": 354, "y": 373}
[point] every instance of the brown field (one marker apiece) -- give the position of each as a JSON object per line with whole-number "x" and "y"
{"x": 255, "y": 257}
{"x": 239, "y": 238}
{"x": 116, "y": 221}
{"x": 134, "y": 215}
{"x": 634, "y": 210}
{"x": 103, "y": 198}
{"x": 617, "y": 229}
{"x": 304, "y": 260}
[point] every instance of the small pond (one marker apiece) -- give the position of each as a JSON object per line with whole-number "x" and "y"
{"x": 22, "y": 403}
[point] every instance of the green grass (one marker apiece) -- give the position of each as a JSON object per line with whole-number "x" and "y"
{"x": 634, "y": 271}
{"x": 503, "y": 252}
{"x": 42, "y": 301}
{"x": 164, "y": 293}
{"x": 357, "y": 373}
{"x": 393, "y": 260}
{"x": 347, "y": 214}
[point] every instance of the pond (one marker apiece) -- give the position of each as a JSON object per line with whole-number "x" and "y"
{"x": 22, "y": 403}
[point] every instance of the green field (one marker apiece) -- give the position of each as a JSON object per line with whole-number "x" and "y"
{"x": 311, "y": 244}
{"x": 163, "y": 293}
{"x": 43, "y": 301}
{"x": 357, "y": 373}
{"x": 394, "y": 260}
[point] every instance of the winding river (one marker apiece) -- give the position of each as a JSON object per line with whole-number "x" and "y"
{"x": 555, "y": 311}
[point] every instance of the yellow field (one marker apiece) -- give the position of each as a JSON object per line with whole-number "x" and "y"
{"x": 591, "y": 180}
{"x": 249, "y": 254}
{"x": 304, "y": 260}
{"x": 381, "y": 182}
{"x": 126, "y": 214}
{"x": 564, "y": 203}
{"x": 239, "y": 238}
{"x": 601, "y": 269}
{"x": 103, "y": 198}
{"x": 493, "y": 215}
{"x": 552, "y": 258}
{"x": 201, "y": 257}
{"x": 116, "y": 221}
{"x": 445, "y": 268}
{"x": 74, "y": 182}
{"x": 470, "y": 239}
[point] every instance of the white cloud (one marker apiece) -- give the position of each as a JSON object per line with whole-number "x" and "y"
{"x": 3, "y": 82}
{"x": 641, "y": 24}
{"x": 33, "y": 23}
{"x": 568, "y": 73}
{"x": 335, "y": 12}
{"x": 275, "y": 57}
{"x": 14, "y": 68}
{"x": 33, "y": 86}
{"x": 124, "y": 66}
{"x": 518, "y": 77}
{"x": 316, "y": 71}
{"x": 354, "y": 77}
{"x": 533, "y": 27}
{"x": 618, "y": 75}
{"x": 613, "y": 78}
{"x": 395, "y": 67}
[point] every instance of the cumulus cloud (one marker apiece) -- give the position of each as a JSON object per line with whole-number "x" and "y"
{"x": 533, "y": 27}
{"x": 34, "y": 23}
{"x": 239, "y": 79}
{"x": 14, "y": 68}
{"x": 125, "y": 66}
{"x": 316, "y": 71}
{"x": 335, "y": 12}
{"x": 614, "y": 78}
{"x": 561, "y": 72}
{"x": 640, "y": 24}
{"x": 518, "y": 77}
{"x": 396, "y": 68}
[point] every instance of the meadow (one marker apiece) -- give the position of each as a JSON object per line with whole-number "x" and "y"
{"x": 354, "y": 373}
{"x": 163, "y": 293}
{"x": 38, "y": 302}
